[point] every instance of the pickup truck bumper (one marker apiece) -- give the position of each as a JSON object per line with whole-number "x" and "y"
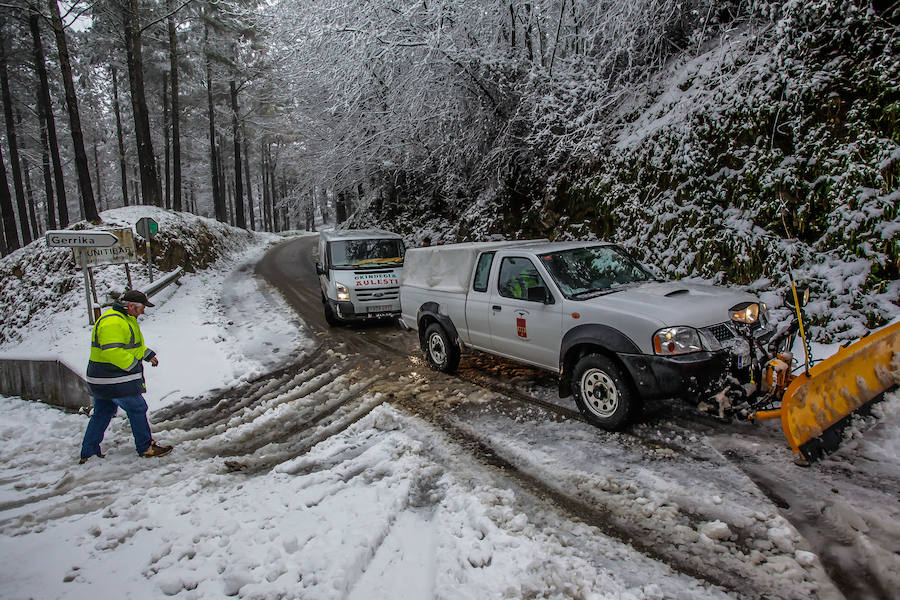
{"x": 693, "y": 376}
{"x": 346, "y": 311}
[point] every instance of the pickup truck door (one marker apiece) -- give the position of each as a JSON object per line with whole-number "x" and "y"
{"x": 478, "y": 303}
{"x": 525, "y": 330}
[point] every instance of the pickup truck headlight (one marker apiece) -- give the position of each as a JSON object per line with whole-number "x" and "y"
{"x": 676, "y": 340}
{"x": 343, "y": 292}
{"x": 746, "y": 312}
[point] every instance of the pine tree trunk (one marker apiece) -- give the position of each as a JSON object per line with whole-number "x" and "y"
{"x": 89, "y": 208}
{"x": 273, "y": 196}
{"x": 247, "y": 177}
{"x": 146, "y": 157}
{"x": 123, "y": 169}
{"x": 45, "y": 110}
{"x": 48, "y": 177}
{"x": 264, "y": 174}
{"x": 13, "y": 145}
{"x": 97, "y": 177}
{"x": 33, "y": 212}
{"x": 176, "y": 133}
{"x": 167, "y": 169}
{"x": 218, "y": 204}
{"x": 221, "y": 177}
{"x": 10, "y": 233}
{"x": 239, "y": 219}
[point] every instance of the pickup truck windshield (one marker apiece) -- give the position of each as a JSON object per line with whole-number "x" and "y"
{"x": 365, "y": 254}
{"x": 595, "y": 270}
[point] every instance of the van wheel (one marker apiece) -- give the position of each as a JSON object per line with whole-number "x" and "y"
{"x": 441, "y": 353}
{"x": 602, "y": 392}
{"x": 330, "y": 317}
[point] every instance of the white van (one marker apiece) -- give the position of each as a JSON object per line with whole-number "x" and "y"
{"x": 359, "y": 272}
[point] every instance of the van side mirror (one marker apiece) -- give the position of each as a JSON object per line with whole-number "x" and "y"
{"x": 319, "y": 269}
{"x": 537, "y": 293}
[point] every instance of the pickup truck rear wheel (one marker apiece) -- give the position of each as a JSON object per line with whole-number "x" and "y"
{"x": 602, "y": 392}
{"x": 441, "y": 353}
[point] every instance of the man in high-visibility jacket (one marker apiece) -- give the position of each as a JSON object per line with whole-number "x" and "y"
{"x": 115, "y": 376}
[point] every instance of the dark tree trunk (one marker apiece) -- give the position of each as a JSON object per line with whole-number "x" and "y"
{"x": 167, "y": 169}
{"x": 218, "y": 203}
{"x": 97, "y": 177}
{"x": 176, "y": 133}
{"x": 135, "y": 190}
{"x": 146, "y": 157}
{"x": 264, "y": 174}
{"x": 221, "y": 178}
{"x": 29, "y": 191}
{"x": 13, "y": 145}
{"x": 230, "y": 187}
{"x": 273, "y": 195}
{"x": 48, "y": 177}
{"x": 10, "y": 233}
{"x": 81, "y": 164}
{"x": 239, "y": 219}
{"x": 247, "y": 177}
{"x": 123, "y": 169}
{"x": 45, "y": 111}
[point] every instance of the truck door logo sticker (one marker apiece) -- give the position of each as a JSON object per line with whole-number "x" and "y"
{"x": 520, "y": 328}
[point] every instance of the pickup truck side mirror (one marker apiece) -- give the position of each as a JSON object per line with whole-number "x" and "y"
{"x": 537, "y": 293}
{"x": 319, "y": 269}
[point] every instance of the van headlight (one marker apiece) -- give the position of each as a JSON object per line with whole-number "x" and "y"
{"x": 343, "y": 292}
{"x": 676, "y": 340}
{"x": 745, "y": 312}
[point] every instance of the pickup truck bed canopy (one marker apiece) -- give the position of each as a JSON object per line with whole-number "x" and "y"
{"x": 449, "y": 267}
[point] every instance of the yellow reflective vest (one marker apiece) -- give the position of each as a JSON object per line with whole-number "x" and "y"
{"x": 115, "y": 369}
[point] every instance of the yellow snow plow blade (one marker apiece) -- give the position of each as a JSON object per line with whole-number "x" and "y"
{"x": 815, "y": 405}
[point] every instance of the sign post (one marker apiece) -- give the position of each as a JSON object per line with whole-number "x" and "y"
{"x": 147, "y": 228}
{"x": 82, "y": 240}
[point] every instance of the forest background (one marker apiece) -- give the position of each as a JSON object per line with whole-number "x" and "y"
{"x": 735, "y": 141}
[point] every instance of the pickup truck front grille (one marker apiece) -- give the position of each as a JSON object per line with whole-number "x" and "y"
{"x": 725, "y": 331}
{"x": 722, "y": 331}
{"x": 384, "y": 294}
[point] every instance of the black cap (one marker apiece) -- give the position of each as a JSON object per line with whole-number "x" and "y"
{"x": 135, "y": 296}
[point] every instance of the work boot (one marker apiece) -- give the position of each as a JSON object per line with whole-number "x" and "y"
{"x": 155, "y": 450}
{"x": 81, "y": 461}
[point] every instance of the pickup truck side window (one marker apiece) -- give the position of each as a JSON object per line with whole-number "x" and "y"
{"x": 516, "y": 276}
{"x": 482, "y": 270}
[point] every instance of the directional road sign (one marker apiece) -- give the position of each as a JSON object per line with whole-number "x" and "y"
{"x": 122, "y": 253}
{"x": 80, "y": 239}
{"x": 146, "y": 227}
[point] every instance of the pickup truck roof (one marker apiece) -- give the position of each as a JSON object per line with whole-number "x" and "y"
{"x": 358, "y": 234}
{"x": 449, "y": 267}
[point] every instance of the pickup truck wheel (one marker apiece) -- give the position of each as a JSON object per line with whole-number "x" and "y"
{"x": 441, "y": 353}
{"x": 602, "y": 392}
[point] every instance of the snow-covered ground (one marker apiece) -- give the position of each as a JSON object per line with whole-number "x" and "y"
{"x": 389, "y": 506}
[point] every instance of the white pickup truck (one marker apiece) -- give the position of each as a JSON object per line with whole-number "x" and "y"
{"x": 613, "y": 331}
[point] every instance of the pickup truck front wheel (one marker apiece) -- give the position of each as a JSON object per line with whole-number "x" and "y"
{"x": 602, "y": 392}
{"x": 441, "y": 353}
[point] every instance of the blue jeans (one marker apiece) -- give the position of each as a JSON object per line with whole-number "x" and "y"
{"x": 104, "y": 410}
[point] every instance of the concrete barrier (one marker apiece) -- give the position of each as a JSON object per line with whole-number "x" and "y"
{"x": 51, "y": 381}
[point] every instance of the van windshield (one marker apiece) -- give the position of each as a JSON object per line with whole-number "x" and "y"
{"x": 593, "y": 271}
{"x": 365, "y": 254}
